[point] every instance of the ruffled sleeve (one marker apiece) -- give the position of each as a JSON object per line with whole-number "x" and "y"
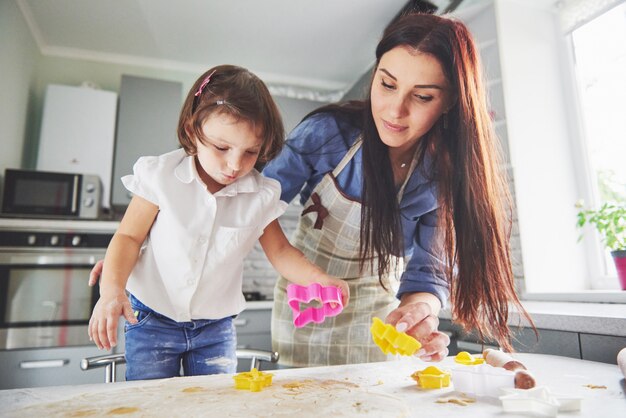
{"x": 273, "y": 205}
{"x": 143, "y": 180}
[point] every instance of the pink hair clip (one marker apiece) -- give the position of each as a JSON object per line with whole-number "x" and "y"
{"x": 329, "y": 296}
{"x": 204, "y": 83}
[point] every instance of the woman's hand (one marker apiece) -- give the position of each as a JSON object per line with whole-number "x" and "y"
{"x": 416, "y": 318}
{"x": 95, "y": 273}
{"x": 341, "y": 284}
{"x": 103, "y": 323}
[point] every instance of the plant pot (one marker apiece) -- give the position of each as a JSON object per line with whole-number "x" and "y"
{"x": 619, "y": 257}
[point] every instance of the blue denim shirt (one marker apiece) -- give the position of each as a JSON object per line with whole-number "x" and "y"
{"x": 316, "y": 146}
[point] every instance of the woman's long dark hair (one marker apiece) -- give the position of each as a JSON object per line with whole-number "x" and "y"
{"x": 474, "y": 212}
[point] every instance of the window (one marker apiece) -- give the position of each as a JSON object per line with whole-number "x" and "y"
{"x": 599, "y": 52}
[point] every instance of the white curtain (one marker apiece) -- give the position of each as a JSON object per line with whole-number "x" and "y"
{"x": 575, "y": 13}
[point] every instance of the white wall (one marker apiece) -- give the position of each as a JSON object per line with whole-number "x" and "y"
{"x": 19, "y": 56}
{"x": 540, "y": 146}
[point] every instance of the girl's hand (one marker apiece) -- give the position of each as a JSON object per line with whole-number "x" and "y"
{"x": 341, "y": 284}
{"x": 103, "y": 323}
{"x": 417, "y": 320}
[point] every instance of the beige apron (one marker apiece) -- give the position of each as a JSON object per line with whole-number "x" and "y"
{"x": 328, "y": 234}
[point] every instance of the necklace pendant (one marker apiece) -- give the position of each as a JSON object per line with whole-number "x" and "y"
{"x": 402, "y": 165}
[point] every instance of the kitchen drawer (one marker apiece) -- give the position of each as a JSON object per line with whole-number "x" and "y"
{"x": 47, "y": 367}
{"x": 253, "y": 321}
{"x": 603, "y": 348}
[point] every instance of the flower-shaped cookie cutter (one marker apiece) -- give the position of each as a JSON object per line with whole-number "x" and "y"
{"x": 432, "y": 377}
{"x": 467, "y": 359}
{"x": 254, "y": 380}
{"x": 538, "y": 401}
{"x": 391, "y": 340}
{"x": 328, "y": 296}
{"x": 482, "y": 379}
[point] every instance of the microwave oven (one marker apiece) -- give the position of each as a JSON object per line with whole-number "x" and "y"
{"x": 32, "y": 193}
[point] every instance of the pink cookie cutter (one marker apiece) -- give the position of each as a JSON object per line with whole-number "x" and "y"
{"x": 328, "y": 296}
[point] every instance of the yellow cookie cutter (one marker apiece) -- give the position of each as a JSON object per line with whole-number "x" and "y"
{"x": 392, "y": 341}
{"x": 432, "y": 378}
{"x": 253, "y": 380}
{"x": 469, "y": 360}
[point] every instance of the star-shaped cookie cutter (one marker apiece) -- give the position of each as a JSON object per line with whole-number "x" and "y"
{"x": 328, "y": 296}
{"x": 432, "y": 377}
{"x": 391, "y": 340}
{"x": 482, "y": 379}
{"x": 539, "y": 401}
{"x": 254, "y": 380}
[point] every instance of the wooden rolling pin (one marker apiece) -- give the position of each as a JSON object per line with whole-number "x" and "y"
{"x": 621, "y": 360}
{"x": 496, "y": 358}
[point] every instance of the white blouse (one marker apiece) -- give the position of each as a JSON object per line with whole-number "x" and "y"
{"x": 191, "y": 264}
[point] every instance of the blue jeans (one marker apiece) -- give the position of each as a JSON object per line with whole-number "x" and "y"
{"x": 157, "y": 346}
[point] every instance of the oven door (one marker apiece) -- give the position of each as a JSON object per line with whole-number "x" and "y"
{"x": 45, "y": 300}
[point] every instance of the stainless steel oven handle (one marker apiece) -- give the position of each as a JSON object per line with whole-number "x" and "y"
{"x": 75, "y": 196}
{"x": 51, "y": 258}
{"x": 43, "y": 364}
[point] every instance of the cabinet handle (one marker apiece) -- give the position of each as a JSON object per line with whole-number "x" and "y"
{"x": 43, "y": 364}
{"x": 240, "y": 322}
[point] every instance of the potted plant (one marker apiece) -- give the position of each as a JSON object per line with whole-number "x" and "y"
{"x": 610, "y": 221}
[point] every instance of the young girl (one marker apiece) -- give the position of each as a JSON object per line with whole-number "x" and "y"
{"x": 195, "y": 215}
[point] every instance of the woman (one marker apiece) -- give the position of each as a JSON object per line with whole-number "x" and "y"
{"x": 412, "y": 171}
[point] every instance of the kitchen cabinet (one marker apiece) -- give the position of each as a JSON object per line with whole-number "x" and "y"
{"x": 559, "y": 343}
{"x": 602, "y": 348}
{"x": 146, "y": 125}
{"x": 254, "y": 332}
{"x": 46, "y": 367}
{"x": 580, "y": 345}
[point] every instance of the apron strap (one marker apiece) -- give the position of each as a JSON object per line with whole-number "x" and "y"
{"x": 355, "y": 147}
{"x": 344, "y": 161}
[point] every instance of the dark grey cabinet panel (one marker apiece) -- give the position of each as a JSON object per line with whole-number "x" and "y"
{"x": 47, "y": 367}
{"x": 602, "y": 348}
{"x": 254, "y": 332}
{"x": 560, "y": 343}
{"x": 146, "y": 125}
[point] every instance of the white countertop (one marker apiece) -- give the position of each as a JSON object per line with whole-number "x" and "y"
{"x": 592, "y": 318}
{"x": 374, "y": 390}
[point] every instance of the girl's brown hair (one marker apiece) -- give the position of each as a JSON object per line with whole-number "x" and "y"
{"x": 237, "y": 92}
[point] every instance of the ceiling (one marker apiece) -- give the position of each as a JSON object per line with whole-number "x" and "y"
{"x": 321, "y": 47}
